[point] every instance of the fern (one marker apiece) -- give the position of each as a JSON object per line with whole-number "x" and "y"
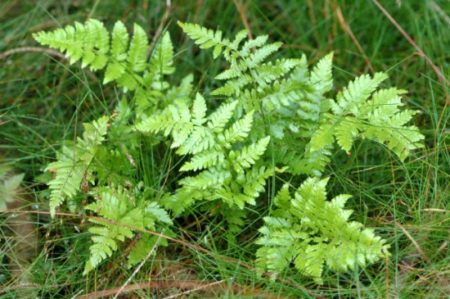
{"x": 217, "y": 152}
{"x": 87, "y": 42}
{"x": 293, "y": 99}
{"x": 123, "y": 57}
{"x": 207, "y": 38}
{"x": 359, "y": 111}
{"x": 280, "y": 90}
{"x": 311, "y": 232}
{"x": 72, "y": 166}
{"x": 123, "y": 214}
{"x": 273, "y": 115}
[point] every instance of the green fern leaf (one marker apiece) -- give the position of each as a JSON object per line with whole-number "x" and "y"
{"x": 219, "y": 118}
{"x": 209, "y": 178}
{"x": 345, "y": 132}
{"x": 73, "y": 163}
{"x": 262, "y": 53}
{"x": 200, "y": 139}
{"x": 161, "y": 61}
{"x": 255, "y": 181}
{"x": 137, "y": 54}
{"x": 119, "y": 46}
{"x": 203, "y": 160}
{"x": 119, "y": 42}
{"x": 239, "y": 130}
{"x": 249, "y": 155}
{"x": 154, "y": 212}
{"x": 257, "y": 42}
{"x": 122, "y": 216}
{"x": 322, "y": 138}
{"x": 321, "y": 74}
{"x": 358, "y": 91}
{"x": 88, "y": 42}
{"x": 199, "y": 110}
{"x": 207, "y": 38}
{"x": 313, "y": 232}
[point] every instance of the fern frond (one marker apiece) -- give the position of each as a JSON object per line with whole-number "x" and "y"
{"x": 356, "y": 93}
{"x": 219, "y": 118}
{"x": 119, "y": 42}
{"x": 137, "y": 54}
{"x": 249, "y": 155}
{"x": 119, "y": 46}
{"x": 199, "y": 110}
{"x": 124, "y": 58}
{"x": 72, "y": 164}
{"x": 88, "y": 42}
{"x": 346, "y": 131}
{"x": 115, "y": 207}
{"x": 204, "y": 160}
{"x": 174, "y": 120}
{"x": 312, "y": 163}
{"x": 312, "y": 232}
{"x": 321, "y": 75}
{"x": 200, "y": 139}
{"x": 207, "y": 38}
{"x": 387, "y": 124}
{"x": 161, "y": 61}
{"x": 239, "y": 130}
{"x": 123, "y": 216}
{"x": 69, "y": 172}
{"x": 357, "y": 114}
{"x": 269, "y": 72}
{"x": 145, "y": 246}
{"x": 155, "y": 213}
{"x": 322, "y": 138}
{"x": 220, "y": 149}
{"x": 210, "y": 178}
{"x": 255, "y": 180}
{"x": 262, "y": 53}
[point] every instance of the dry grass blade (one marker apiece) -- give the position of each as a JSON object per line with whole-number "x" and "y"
{"x": 241, "y": 9}
{"x": 436, "y": 210}
{"x": 189, "y": 285}
{"x": 163, "y": 23}
{"x": 166, "y": 284}
{"x": 201, "y": 287}
{"x": 414, "y": 242}
{"x": 439, "y": 11}
{"x": 419, "y": 50}
{"x": 348, "y": 30}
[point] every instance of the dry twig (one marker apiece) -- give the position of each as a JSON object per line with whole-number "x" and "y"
{"x": 32, "y": 50}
